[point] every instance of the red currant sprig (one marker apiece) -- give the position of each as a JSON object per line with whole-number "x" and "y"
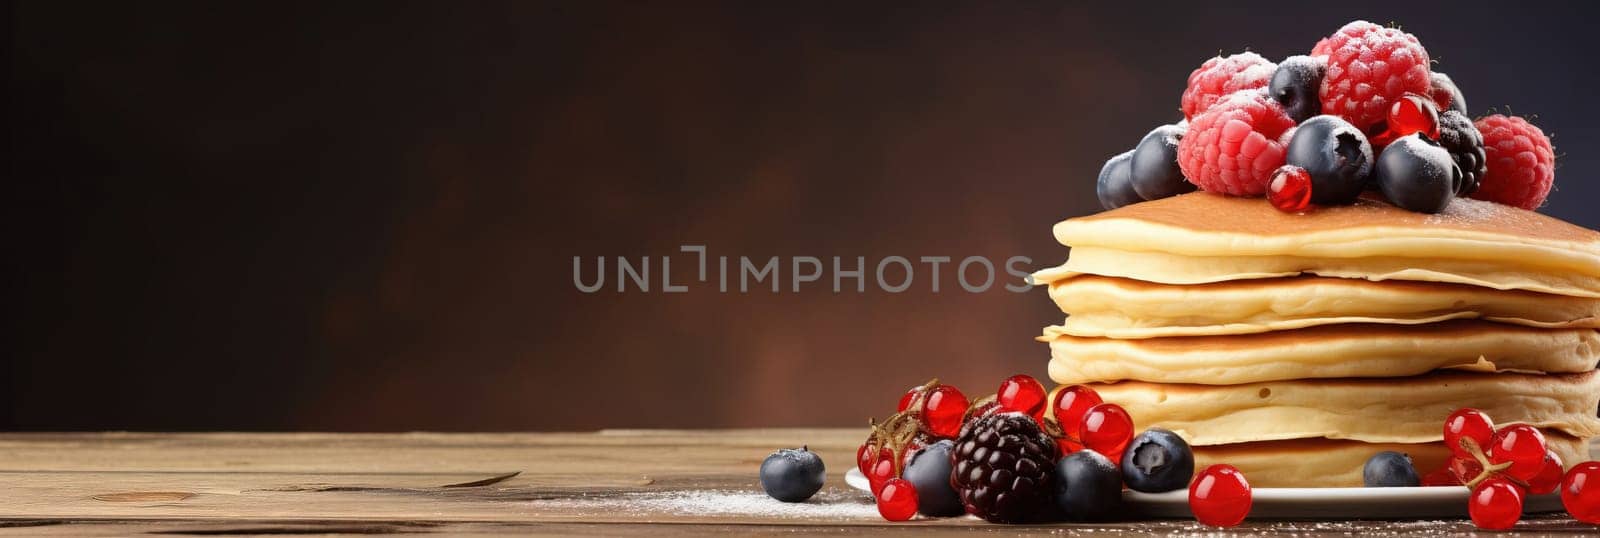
{"x": 928, "y": 411}
{"x": 1516, "y": 452}
{"x": 1500, "y": 467}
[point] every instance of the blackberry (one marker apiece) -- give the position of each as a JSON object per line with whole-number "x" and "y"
{"x": 1465, "y": 144}
{"x": 1005, "y": 469}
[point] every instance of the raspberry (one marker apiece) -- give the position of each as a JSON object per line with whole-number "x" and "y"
{"x": 1461, "y": 138}
{"x": 1220, "y": 77}
{"x": 1370, "y": 66}
{"x": 1005, "y": 468}
{"x": 1520, "y": 162}
{"x": 1233, "y": 147}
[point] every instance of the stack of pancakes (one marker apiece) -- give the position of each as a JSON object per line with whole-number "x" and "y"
{"x": 1296, "y": 346}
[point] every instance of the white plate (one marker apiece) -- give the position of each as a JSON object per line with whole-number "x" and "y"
{"x": 1315, "y": 503}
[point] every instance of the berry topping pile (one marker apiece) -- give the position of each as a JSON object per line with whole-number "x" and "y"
{"x": 1363, "y": 111}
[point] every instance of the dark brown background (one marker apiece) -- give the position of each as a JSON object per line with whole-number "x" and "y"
{"x": 362, "y": 216}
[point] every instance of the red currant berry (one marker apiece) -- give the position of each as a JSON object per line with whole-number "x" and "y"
{"x": 1107, "y": 428}
{"x": 1469, "y": 423}
{"x": 1495, "y": 504}
{"x": 1549, "y": 477}
{"x": 1289, "y": 190}
{"x": 1068, "y": 446}
{"x": 1069, "y": 404}
{"x": 1414, "y": 114}
{"x": 1523, "y": 446}
{"x": 1441, "y": 477}
{"x": 905, "y": 400}
{"x": 882, "y": 470}
{"x": 897, "y": 500}
{"x": 982, "y": 410}
{"x": 942, "y": 410}
{"x": 1409, "y": 114}
{"x": 1023, "y": 394}
{"x": 1580, "y": 492}
{"x": 865, "y": 454}
{"x": 1465, "y": 469}
{"x": 1220, "y": 496}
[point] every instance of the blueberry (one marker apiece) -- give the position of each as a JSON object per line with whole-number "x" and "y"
{"x": 929, "y": 473}
{"x": 1156, "y": 461}
{"x": 792, "y": 475}
{"x": 1115, "y": 186}
{"x": 1458, "y": 102}
{"x": 1154, "y": 168}
{"x": 1336, "y": 154}
{"x": 1296, "y": 84}
{"x": 1417, "y": 174}
{"x": 1088, "y": 486}
{"x": 1390, "y": 469}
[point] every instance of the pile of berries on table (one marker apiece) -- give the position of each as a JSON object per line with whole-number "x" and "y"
{"x": 1023, "y": 455}
{"x": 1363, "y": 110}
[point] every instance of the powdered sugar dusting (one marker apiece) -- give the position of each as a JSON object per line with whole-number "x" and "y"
{"x": 1463, "y": 211}
{"x": 826, "y": 505}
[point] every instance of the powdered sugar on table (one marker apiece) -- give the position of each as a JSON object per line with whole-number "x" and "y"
{"x": 827, "y": 505}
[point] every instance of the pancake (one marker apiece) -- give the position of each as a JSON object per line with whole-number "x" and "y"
{"x": 1330, "y": 351}
{"x": 1167, "y": 268}
{"x": 1385, "y": 410}
{"x": 1124, "y": 308}
{"x": 1322, "y": 463}
{"x": 1199, "y": 238}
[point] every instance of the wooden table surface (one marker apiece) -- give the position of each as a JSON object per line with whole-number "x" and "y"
{"x": 603, "y": 483}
